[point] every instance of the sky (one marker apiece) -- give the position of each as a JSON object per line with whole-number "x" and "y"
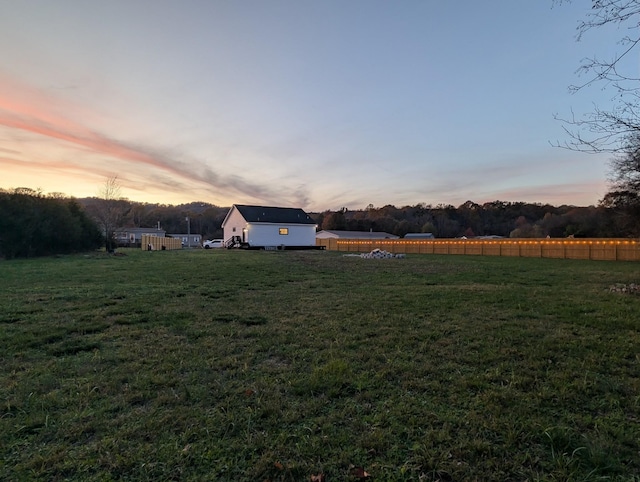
{"x": 318, "y": 104}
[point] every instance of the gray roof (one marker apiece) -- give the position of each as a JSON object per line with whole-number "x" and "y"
{"x": 360, "y": 234}
{"x": 266, "y": 214}
{"x": 140, "y": 230}
{"x": 419, "y": 236}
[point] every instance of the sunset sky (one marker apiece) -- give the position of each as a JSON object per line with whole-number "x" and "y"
{"x": 313, "y": 104}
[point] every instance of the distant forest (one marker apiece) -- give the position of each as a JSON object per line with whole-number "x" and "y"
{"x": 508, "y": 219}
{"x": 34, "y": 224}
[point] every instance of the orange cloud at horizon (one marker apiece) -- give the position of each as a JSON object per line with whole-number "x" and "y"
{"x": 24, "y": 117}
{"x": 43, "y": 142}
{"x": 561, "y": 193}
{"x": 27, "y": 111}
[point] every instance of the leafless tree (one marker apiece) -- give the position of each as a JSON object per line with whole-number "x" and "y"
{"x": 625, "y": 166}
{"x": 110, "y": 210}
{"x": 624, "y": 177}
{"x": 608, "y": 130}
{"x": 615, "y": 130}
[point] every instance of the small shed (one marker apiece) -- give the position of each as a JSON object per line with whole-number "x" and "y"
{"x": 334, "y": 234}
{"x": 268, "y": 227}
{"x": 419, "y": 236}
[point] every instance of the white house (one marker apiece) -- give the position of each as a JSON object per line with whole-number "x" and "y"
{"x": 263, "y": 227}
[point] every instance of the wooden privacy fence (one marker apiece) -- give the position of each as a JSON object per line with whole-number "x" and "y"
{"x": 155, "y": 243}
{"x": 588, "y": 248}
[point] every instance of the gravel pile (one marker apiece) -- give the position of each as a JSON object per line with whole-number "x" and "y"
{"x": 633, "y": 288}
{"x": 379, "y": 254}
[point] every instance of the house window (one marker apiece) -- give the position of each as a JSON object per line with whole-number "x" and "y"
{"x": 283, "y": 231}
{"x": 234, "y": 229}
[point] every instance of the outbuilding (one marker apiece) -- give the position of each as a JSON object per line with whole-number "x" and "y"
{"x": 335, "y": 234}
{"x": 268, "y": 227}
{"x": 419, "y": 236}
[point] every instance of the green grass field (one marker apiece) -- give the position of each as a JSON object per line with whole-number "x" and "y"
{"x": 298, "y": 366}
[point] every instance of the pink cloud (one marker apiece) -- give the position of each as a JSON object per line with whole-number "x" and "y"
{"x": 24, "y": 109}
{"x": 575, "y": 193}
{"x": 18, "y": 112}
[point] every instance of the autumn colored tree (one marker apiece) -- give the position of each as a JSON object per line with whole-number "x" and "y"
{"x": 335, "y": 221}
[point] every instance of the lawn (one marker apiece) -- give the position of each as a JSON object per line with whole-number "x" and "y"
{"x": 299, "y": 366}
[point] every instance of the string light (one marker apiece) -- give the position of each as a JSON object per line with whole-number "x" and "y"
{"x": 604, "y": 249}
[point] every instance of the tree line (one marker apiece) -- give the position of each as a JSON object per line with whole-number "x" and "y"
{"x": 470, "y": 219}
{"x": 204, "y": 218}
{"x": 32, "y": 224}
{"x": 497, "y": 218}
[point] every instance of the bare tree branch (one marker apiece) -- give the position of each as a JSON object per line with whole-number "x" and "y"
{"x": 110, "y": 210}
{"x": 607, "y": 130}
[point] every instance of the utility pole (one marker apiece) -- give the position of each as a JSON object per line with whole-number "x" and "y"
{"x": 188, "y": 231}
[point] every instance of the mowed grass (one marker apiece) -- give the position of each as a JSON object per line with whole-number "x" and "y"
{"x": 234, "y": 365}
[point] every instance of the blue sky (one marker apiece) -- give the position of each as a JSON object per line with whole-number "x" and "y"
{"x": 313, "y": 104}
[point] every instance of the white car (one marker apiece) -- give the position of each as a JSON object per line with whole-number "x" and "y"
{"x": 213, "y": 243}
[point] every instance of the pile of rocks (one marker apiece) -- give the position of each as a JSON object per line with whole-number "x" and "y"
{"x": 633, "y": 288}
{"x": 379, "y": 254}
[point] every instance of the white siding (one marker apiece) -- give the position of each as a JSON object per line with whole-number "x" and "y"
{"x": 266, "y": 234}
{"x": 234, "y": 220}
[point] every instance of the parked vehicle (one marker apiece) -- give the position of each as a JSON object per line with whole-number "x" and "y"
{"x": 213, "y": 243}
